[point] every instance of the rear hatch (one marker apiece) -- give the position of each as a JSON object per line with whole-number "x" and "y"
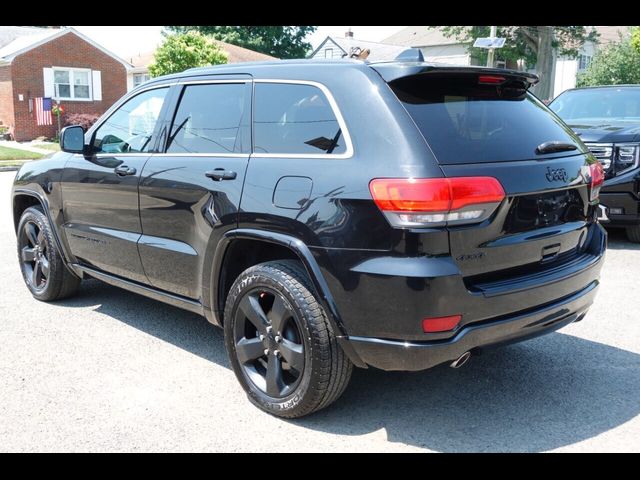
{"x": 485, "y": 123}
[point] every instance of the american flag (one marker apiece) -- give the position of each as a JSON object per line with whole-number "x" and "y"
{"x": 43, "y": 111}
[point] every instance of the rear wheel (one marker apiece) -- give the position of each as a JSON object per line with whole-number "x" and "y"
{"x": 633, "y": 233}
{"x": 42, "y": 266}
{"x": 280, "y": 343}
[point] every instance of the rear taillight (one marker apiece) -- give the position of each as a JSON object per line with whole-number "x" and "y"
{"x": 416, "y": 202}
{"x": 597, "y": 179}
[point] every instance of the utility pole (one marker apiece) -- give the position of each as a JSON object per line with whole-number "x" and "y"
{"x": 494, "y": 33}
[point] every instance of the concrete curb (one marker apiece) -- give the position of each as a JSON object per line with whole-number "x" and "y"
{"x": 10, "y": 169}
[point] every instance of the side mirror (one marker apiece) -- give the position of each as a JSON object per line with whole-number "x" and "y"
{"x": 72, "y": 139}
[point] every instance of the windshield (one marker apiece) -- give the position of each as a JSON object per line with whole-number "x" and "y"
{"x": 598, "y": 104}
{"x": 467, "y": 122}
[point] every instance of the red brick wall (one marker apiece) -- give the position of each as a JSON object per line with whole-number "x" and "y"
{"x": 6, "y": 96}
{"x": 68, "y": 50}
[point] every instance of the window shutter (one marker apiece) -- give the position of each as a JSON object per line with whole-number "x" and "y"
{"x": 47, "y": 74}
{"x": 96, "y": 78}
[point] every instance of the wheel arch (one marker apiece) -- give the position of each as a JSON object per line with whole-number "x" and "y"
{"x": 21, "y": 200}
{"x": 218, "y": 286}
{"x": 284, "y": 246}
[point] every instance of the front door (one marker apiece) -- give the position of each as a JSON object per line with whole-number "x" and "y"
{"x": 100, "y": 190}
{"x": 189, "y": 195}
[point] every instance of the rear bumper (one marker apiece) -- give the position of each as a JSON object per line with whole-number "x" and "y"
{"x": 411, "y": 355}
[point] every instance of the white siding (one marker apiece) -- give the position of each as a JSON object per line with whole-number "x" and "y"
{"x": 453, "y": 54}
{"x": 329, "y": 50}
{"x": 566, "y": 70}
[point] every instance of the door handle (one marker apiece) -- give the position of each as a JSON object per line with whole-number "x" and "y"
{"x": 221, "y": 174}
{"x": 124, "y": 170}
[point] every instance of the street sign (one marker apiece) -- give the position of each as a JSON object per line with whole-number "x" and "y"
{"x": 489, "y": 42}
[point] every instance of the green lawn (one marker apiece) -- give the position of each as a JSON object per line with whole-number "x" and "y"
{"x": 7, "y": 153}
{"x": 54, "y": 147}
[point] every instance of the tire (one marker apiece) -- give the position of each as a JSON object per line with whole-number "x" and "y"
{"x": 633, "y": 233}
{"x": 314, "y": 371}
{"x": 37, "y": 251}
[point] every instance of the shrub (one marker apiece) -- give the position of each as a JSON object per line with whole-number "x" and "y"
{"x": 85, "y": 120}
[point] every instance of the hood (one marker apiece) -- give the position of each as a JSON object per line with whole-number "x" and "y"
{"x": 606, "y": 130}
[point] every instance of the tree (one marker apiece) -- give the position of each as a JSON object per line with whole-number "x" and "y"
{"x": 186, "y": 50}
{"x": 532, "y": 44}
{"x": 274, "y": 40}
{"x": 618, "y": 63}
{"x": 635, "y": 39}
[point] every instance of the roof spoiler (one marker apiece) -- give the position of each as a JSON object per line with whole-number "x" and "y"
{"x": 410, "y": 55}
{"x": 391, "y": 71}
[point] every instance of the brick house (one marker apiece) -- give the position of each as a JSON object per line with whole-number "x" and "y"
{"x": 62, "y": 64}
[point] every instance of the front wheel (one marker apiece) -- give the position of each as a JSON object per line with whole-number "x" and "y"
{"x": 43, "y": 268}
{"x": 280, "y": 343}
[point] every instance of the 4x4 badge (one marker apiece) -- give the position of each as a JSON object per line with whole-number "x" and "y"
{"x": 556, "y": 174}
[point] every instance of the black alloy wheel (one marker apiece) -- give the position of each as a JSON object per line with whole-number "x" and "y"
{"x": 282, "y": 347}
{"x": 42, "y": 265}
{"x": 34, "y": 254}
{"x": 268, "y": 342}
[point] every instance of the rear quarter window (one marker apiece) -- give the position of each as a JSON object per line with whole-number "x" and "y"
{"x": 465, "y": 122}
{"x": 295, "y": 119}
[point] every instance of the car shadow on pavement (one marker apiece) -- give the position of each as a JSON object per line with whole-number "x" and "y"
{"x": 539, "y": 395}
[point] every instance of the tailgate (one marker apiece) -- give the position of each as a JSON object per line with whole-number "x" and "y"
{"x": 544, "y": 220}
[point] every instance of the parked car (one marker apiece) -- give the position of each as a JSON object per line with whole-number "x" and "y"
{"x": 607, "y": 119}
{"x": 326, "y": 214}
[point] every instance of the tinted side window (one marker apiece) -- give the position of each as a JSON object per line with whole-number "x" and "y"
{"x": 209, "y": 119}
{"x": 293, "y": 118}
{"x": 130, "y": 127}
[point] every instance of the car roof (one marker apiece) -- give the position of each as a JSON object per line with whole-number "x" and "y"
{"x": 304, "y": 69}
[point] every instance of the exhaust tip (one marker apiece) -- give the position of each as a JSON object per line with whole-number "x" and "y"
{"x": 461, "y": 360}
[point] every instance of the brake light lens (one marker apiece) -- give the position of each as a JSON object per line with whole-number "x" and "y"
{"x": 597, "y": 179}
{"x": 440, "y": 324}
{"x": 491, "y": 79}
{"x": 409, "y": 202}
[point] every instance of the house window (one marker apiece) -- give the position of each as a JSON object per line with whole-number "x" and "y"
{"x": 328, "y": 53}
{"x": 583, "y": 61}
{"x": 72, "y": 84}
{"x": 140, "y": 78}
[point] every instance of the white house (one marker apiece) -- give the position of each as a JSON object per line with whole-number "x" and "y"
{"x": 438, "y": 48}
{"x": 340, "y": 47}
{"x": 434, "y": 45}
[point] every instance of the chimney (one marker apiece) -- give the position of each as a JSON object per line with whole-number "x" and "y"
{"x": 348, "y": 33}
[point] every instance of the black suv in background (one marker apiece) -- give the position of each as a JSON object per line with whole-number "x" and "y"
{"x": 326, "y": 214}
{"x": 607, "y": 119}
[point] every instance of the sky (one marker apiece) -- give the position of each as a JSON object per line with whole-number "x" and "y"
{"x": 128, "y": 41}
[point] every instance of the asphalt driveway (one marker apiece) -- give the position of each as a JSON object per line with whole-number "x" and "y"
{"x": 110, "y": 370}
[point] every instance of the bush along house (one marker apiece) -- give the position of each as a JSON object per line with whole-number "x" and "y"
{"x": 44, "y": 67}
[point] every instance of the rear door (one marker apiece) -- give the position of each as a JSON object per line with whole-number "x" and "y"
{"x": 190, "y": 193}
{"x": 487, "y": 125}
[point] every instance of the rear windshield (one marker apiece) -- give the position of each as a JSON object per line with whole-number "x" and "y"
{"x": 465, "y": 122}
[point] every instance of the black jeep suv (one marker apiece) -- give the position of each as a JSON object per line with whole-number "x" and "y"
{"x": 326, "y": 214}
{"x": 607, "y": 119}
